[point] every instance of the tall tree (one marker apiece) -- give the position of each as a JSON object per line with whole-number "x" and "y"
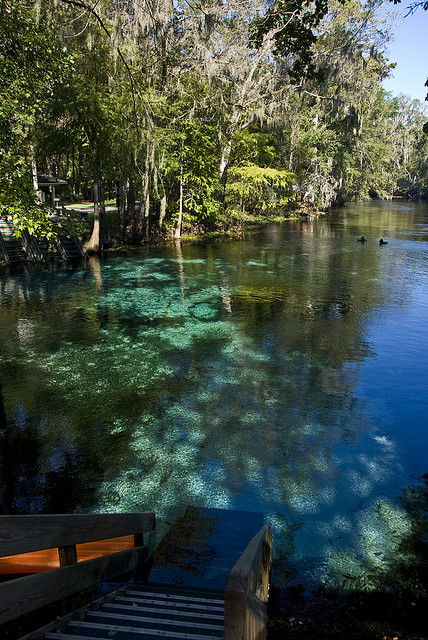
{"x": 329, "y": 138}
{"x": 32, "y": 64}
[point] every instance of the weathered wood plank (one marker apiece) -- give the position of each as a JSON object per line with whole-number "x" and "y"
{"x": 22, "y": 534}
{"x": 4, "y": 249}
{"x": 244, "y": 575}
{"x": 24, "y": 595}
{"x": 67, "y": 555}
{"x": 245, "y": 614}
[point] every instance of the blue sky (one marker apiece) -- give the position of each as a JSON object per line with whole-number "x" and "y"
{"x": 410, "y": 50}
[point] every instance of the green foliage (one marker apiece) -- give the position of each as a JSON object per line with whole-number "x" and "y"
{"x": 198, "y": 154}
{"x": 294, "y": 24}
{"x": 164, "y": 103}
{"x": 343, "y": 136}
{"x": 253, "y": 189}
{"x": 253, "y": 146}
{"x": 187, "y": 137}
{"x": 18, "y": 205}
{"x": 32, "y": 63}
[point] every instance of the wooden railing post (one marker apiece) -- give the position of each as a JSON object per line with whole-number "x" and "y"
{"x": 67, "y": 555}
{"x": 263, "y": 591}
{"x": 247, "y": 588}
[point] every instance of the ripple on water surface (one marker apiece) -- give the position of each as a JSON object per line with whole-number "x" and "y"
{"x": 262, "y": 374}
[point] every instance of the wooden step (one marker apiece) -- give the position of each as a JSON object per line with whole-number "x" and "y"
{"x": 122, "y": 631}
{"x": 162, "y": 610}
{"x": 70, "y": 248}
{"x": 141, "y": 612}
{"x": 214, "y": 597}
{"x": 95, "y": 632}
{"x": 143, "y": 621}
{"x": 163, "y": 602}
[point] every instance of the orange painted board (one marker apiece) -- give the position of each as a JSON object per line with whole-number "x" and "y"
{"x": 39, "y": 561}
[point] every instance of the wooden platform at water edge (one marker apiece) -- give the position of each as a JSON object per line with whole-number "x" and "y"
{"x": 27, "y": 248}
{"x": 207, "y": 578}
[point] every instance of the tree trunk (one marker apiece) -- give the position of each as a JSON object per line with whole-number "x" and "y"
{"x": 225, "y": 155}
{"x": 145, "y": 191}
{"x": 224, "y": 163}
{"x": 141, "y": 208}
{"x": 177, "y": 232}
{"x": 104, "y": 234}
{"x": 147, "y": 214}
{"x": 121, "y": 201}
{"x": 34, "y": 172}
{"x": 73, "y": 170}
{"x": 93, "y": 245}
{"x": 144, "y": 201}
{"x": 162, "y": 211}
{"x": 132, "y": 224}
{"x": 79, "y": 157}
{"x": 146, "y": 209}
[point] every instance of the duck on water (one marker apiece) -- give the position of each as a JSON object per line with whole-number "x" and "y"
{"x": 364, "y": 239}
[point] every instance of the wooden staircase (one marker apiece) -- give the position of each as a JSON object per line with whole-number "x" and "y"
{"x": 150, "y": 613}
{"x": 70, "y": 248}
{"x": 11, "y": 247}
{"x": 27, "y": 248}
{"x": 208, "y": 578}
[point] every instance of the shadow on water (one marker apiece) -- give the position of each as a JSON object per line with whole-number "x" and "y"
{"x": 143, "y": 378}
{"x": 386, "y": 601}
{"x": 227, "y": 375}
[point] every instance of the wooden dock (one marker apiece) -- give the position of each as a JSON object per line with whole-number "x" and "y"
{"x": 208, "y": 578}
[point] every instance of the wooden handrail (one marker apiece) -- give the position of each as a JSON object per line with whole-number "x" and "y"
{"x": 26, "y": 245}
{"x": 31, "y": 246}
{"x": 61, "y": 249}
{"x": 246, "y": 590}
{"x": 22, "y": 534}
{"x": 4, "y": 249}
{"x": 24, "y": 595}
{"x": 80, "y": 247}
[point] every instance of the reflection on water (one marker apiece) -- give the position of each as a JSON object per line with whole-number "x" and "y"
{"x": 270, "y": 374}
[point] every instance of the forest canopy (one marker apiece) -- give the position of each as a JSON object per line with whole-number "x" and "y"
{"x": 194, "y": 115}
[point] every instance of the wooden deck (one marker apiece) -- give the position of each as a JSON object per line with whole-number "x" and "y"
{"x": 207, "y": 579}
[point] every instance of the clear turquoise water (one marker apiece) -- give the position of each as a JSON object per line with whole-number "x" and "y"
{"x": 284, "y": 372}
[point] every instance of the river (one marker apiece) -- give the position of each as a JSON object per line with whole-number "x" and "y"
{"x": 284, "y": 372}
